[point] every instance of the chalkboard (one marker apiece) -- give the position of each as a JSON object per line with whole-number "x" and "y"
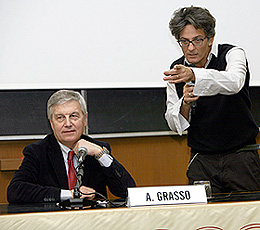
{"x": 126, "y": 110}
{"x": 23, "y": 112}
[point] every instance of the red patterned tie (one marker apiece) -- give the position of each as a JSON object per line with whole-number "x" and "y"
{"x": 71, "y": 172}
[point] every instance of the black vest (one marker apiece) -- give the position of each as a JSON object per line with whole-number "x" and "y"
{"x": 221, "y": 123}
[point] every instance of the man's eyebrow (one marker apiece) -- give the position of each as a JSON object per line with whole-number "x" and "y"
{"x": 61, "y": 114}
{"x": 58, "y": 114}
{"x": 198, "y": 36}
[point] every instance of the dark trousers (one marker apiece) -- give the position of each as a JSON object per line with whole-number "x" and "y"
{"x": 226, "y": 172}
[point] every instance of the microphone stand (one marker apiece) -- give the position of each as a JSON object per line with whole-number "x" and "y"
{"x": 78, "y": 202}
{"x": 79, "y": 180}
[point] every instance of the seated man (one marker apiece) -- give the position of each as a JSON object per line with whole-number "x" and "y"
{"x": 47, "y": 173}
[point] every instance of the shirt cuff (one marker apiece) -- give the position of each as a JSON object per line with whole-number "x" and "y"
{"x": 105, "y": 160}
{"x": 184, "y": 123}
{"x": 180, "y": 122}
{"x": 65, "y": 194}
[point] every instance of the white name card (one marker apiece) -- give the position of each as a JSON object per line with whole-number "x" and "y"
{"x": 162, "y": 195}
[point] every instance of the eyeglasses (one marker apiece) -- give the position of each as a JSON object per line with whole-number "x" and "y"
{"x": 195, "y": 42}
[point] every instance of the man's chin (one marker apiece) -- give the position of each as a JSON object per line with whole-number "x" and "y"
{"x": 71, "y": 140}
{"x": 192, "y": 60}
{"x": 69, "y": 143}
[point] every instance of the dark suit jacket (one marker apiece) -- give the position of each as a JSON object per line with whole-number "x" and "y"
{"x": 42, "y": 174}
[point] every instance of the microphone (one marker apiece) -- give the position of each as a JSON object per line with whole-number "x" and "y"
{"x": 193, "y": 107}
{"x": 194, "y": 103}
{"x": 82, "y": 152}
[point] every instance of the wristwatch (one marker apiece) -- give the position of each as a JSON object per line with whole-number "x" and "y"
{"x": 104, "y": 151}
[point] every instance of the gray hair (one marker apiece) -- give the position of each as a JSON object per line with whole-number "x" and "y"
{"x": 62, "y": 96}
{"x": 199, "y": 17}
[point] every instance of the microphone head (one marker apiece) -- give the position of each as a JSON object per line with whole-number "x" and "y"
{"x": 82, "y": 152}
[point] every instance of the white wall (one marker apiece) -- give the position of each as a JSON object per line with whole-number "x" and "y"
{"x": 107, "y": 43}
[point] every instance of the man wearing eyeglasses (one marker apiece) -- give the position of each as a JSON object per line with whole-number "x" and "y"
{"x": 208, "y": 94}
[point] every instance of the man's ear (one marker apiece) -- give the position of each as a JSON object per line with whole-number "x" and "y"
{"x": 86, "y": 120}
{"x": 210, "y": 42}
{"x": 51, "y": 124}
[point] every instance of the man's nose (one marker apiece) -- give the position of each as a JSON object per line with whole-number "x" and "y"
{"x": 67, "y": 121}
{"x": 191, "y": 46}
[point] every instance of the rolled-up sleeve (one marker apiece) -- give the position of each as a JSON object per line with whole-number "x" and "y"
{"x": 175, "y": 120}
{"x": 210, "y": 82}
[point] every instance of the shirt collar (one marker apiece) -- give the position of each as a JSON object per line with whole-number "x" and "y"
{"x": 64, "y": 149}
{"x": 214, "y": 49}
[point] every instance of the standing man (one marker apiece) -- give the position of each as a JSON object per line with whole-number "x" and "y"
{"x": 208, "y": 94}
{"x": 47, "y": 171}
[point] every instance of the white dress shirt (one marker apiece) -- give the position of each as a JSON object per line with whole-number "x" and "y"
{"x": 208, "y": 82}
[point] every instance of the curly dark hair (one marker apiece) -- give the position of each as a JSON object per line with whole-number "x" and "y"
{"x": 199, "y": 17}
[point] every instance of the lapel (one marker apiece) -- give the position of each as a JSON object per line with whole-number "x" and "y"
{"x": 57, "y": 162}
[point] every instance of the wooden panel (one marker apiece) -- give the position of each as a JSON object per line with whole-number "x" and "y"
{"x": 152, "y": 161}
{"x": 9, "y": 150}
{"x": 10, "y": 164}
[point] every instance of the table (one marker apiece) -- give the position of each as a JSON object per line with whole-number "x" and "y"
{"x": 229, "y": 216}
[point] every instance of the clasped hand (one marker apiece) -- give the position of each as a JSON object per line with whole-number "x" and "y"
{"x": 188, "y": 95}
{"x": 92, "y": 148}
{"x": 86, "y": 192}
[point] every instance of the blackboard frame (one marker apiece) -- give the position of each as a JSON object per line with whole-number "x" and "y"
{"x": 112, "y": 112}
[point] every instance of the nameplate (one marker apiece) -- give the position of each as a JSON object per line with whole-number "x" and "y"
{"x": 164, "y": 195}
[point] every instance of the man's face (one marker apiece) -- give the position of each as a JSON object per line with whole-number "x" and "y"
{"x": 68, "y": 122}
{"x": 196, "y": 55}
